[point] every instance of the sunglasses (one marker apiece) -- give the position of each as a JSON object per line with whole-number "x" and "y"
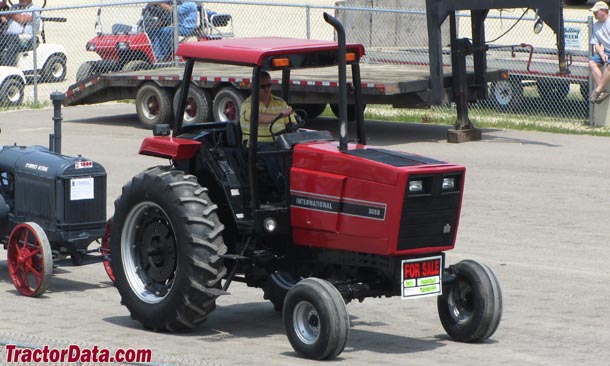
{"x": 265, "y": 86}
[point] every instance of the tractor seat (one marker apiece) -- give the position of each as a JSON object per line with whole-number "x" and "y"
{"x": 233, "y": 135}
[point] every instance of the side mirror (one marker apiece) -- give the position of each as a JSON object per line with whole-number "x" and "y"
{"x": 538, "y": 25}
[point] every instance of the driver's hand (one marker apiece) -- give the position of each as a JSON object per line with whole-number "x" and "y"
{"x": 286, "y": 112}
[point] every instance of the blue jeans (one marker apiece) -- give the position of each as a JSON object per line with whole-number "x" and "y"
{"x": 162, "y": 40}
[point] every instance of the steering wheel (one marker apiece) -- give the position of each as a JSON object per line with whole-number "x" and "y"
{"x": 300, "y": 117}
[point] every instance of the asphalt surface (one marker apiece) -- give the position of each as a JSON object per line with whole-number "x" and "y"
{"x": 536, "y": 210}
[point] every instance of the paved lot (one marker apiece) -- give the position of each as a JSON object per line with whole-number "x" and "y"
{"x": 536, "y": 210}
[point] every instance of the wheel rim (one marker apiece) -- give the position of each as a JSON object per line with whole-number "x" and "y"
{"x": 190, "y": 110}
{"x": 58, "y": 70}
{"x": 148, "y": 252}
{"x": 150, "y": 106}
{"x": 461, "y": 303}
{"x": 26, "y": 260}
{"x": 13, "y": 93}
{"x": 306, "y": 322}
{"x": 227, "y": 110}
{"x": 503, "y": 92}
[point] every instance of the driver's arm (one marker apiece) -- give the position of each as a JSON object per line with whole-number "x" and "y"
{"x": 266, "y": 118}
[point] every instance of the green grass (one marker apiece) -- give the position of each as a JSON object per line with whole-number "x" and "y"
{"x": 27, "y": 105}
{"x": 482, "y": 117}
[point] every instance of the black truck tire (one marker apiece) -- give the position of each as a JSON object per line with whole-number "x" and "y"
{"x": 166, "y": 245}
{"x": 54, "y": 70}
{"x": 471, "y": 309}
{"x": 316, "y": 319}
{"x": 153, "y": 105}
{"x": 12, "y": 92}
{"x": 312, "y": 110}
{"x": 227, "y": 104}
{"x": 277, "y": 285}
{"x": 198, "y": 105}
{"x": 351, "y": 111}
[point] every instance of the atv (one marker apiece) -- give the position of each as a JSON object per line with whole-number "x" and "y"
{"x": 350, "y": 222}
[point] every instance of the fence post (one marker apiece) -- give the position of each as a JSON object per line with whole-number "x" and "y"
{"x": 591, "y": 50}
{"x": 35, "y": 26}
{"x": 308, "y": 20}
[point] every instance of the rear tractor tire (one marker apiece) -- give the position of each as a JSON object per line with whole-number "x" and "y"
{"x": 166, "y": 245}
{"x": 470, "y": 309}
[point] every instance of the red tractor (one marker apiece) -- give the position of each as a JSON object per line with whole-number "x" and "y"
{"x": 350, "y": 222}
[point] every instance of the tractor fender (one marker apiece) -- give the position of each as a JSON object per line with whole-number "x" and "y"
{"x": 4, "y": 209}
{"x": 169, "y": 147}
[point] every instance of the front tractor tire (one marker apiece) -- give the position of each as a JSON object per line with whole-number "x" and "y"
{"x": 316, "y": 319}
{"x": 166, "y": 244}
{"x": 470, "y": 309}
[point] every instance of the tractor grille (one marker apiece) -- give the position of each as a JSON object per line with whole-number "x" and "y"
{"x": 429, "y": 218}
{"x": 86, "y": 211}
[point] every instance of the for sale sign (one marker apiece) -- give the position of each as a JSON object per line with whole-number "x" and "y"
{"x": 422, "y": 277}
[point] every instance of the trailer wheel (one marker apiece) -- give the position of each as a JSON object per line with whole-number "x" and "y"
{"x": 471, "y": 309}
{"x": 316, "y": 319}
{"x": 226, "y": 104}
{"x": 506, "y": 94}
{"x": 277, "y": 285}
{"x": 30, "y": 262}
{"x": 553, "y": 90}
{"x": 166, "y": 250}
{"x": 105, "y": 251}
{"x": 54, "y": 70}
{"x": 313, "y": 110}
{"x": 153, "y": 105}
{"x": 12, "y": 92}
{"x": 198, "y": 102}
{"x": 351, "y": 111}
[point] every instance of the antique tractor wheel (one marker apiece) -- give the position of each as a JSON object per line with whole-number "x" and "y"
{"x": 316, "y": 319}
{"x": 30, "y": 262}
{"x": 470, "y": 310}
{"x": 105, "y": 250}
{"x": 166, "y": 244}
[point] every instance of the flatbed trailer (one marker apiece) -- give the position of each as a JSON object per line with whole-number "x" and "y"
{"x": 221, "y": 88}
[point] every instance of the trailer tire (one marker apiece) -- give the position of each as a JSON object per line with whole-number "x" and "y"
{"x": 313, "y": 110}
{"x": 553, "y": 90}
{"x": 316, "y": 319}
{"x": 471, "y": 309}
{"x": 166, "y": 250}
{"x": 227, "y": 104}
{"x": 198, "y": 105}
{"x": 153, "y": 105}
{"x": 12, "y": 92}
{"x": 506, "y": 94}
{"x": 351, "y": 111}
{"x": 277, "y": 285}
{"x": 54, "y": 70}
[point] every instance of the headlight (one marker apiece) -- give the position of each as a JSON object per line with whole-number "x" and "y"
{"x": 90, "y": 47}
{"x": 270, "y": 224}
{"x": 416, "y": 186}
{"x": 448, "y": 183}
{"x": 122, "y": 45}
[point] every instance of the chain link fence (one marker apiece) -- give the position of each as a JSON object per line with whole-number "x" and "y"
{"x": 77, "y": 40}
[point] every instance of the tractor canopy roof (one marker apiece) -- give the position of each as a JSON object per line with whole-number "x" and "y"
{"x": 270, "y": 53}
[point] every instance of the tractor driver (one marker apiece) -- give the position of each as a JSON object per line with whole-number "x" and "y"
{"x": 270, "y": 108}
{"x": 19, "y": 32}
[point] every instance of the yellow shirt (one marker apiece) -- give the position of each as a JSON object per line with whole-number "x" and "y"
{"x": 276, "y": 105}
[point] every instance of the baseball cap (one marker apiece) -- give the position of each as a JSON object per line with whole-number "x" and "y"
{"x": 600, "y": 5}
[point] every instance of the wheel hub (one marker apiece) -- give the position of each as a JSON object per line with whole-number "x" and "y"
{"x": 158, "y": 252}
{"x": 306, "y": 322}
